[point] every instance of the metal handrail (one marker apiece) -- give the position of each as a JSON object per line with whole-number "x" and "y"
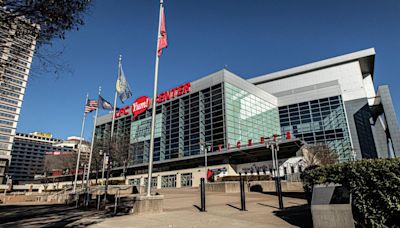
{"x": 116, "y": 200}
{"x": 117, "y": 197}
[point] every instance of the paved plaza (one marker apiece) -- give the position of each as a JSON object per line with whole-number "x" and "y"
{"x": 181, "y": 209}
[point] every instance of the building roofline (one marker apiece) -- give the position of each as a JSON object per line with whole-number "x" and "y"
{"x": 366, "y": 58}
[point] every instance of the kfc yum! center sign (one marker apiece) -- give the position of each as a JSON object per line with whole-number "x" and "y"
{"x": 142, "y": 103}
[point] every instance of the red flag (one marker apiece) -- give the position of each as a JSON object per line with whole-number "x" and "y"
{"x": 210, "y": 173}
{"x": 162, "y": 39}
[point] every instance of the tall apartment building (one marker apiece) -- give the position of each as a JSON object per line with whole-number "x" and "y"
{"x": 16, "y": 54}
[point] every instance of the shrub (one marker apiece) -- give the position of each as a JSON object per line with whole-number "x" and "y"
{"x": 374, "y": 185}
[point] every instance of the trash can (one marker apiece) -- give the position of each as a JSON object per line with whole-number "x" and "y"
{"x": 331, "y": 206}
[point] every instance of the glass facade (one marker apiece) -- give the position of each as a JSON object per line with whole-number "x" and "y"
{"x": 319, "y": 121}
{"x": 219, "y": 115}
{"x": 224, "y": 114}
{"x": 248, "y": 116}
{"x": 180, "y": 125}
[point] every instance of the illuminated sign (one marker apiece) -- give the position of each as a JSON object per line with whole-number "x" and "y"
{"x": 143, "y": 103}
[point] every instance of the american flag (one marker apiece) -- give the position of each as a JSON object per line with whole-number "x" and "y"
{"x": 90, "y": 105}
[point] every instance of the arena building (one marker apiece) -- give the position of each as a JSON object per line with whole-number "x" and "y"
{"x": 232, "y": 119}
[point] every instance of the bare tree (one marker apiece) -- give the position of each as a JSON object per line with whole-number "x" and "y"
{"x": 55, "y": 17}
{"x": 97, "y": 159}
{"x": 43, "y": 21}
{"x": 318, "y": 154}
{"x": 64, "y": 162}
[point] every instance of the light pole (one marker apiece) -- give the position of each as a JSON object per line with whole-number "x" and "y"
{"x": 108, "y": 175}
{"x": 205, "y": 147}
{"x": 104, "y": 163}
{"x": 274, "y": 151}
{"x": 84, "y": 174}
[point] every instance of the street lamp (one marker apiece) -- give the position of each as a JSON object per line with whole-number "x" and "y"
{"x": 104, "y": 163}
{"x": 205, "y": 147}
{"x": 84, "y": 174}
{"x": 273, "y": 145}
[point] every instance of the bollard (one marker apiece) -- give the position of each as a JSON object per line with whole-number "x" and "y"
{"x": 279, "y": 188}
{"x": 242, "y": 195}
{"x": 98, "y": 201}
{"x": 202, "y": 195}
{"x": 76, "y": 199}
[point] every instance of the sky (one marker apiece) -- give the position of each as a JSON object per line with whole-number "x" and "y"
{"x": 249, "y": 37}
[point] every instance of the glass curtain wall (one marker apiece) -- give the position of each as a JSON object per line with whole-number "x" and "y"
{"x": 321, "y": 121}
{"x": 248, "y": 116}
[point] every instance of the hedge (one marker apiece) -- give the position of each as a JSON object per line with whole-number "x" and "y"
{"x": 374, "y": 185}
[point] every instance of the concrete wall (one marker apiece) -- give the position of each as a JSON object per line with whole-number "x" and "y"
{"x": 390, "y": 117}
{"x": 349, "y": 83}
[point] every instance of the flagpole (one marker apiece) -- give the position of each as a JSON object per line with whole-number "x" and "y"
{"x": 92, "y": 143}
{"x": 153, "y": 111}
{"x": 115, "y": 99}
{"x": 80, "y": 144}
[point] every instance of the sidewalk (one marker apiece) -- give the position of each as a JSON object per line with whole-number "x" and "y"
{"x": 181, "y": 210}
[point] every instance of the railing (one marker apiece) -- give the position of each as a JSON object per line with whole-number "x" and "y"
{"x": 117, "y": 197}
{"x": 293, "y": 177}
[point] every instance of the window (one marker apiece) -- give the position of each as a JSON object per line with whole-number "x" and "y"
{"x": 8, "y": 108}
{"x": 4, "y": 138}
{"x": 186, "y": 180}
{"x": 5, "y": 130}
{"x": 153, "y": 182}
{"x": 135, "y": 182}
{"x": 168, "y": 181}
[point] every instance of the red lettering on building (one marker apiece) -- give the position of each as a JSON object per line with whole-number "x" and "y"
{"x": 262, "y": 140}
{"x": 126, "y": 110}
{"x": 186, "y": 88}
{"x": 174, "y": 92}
{"x": 275, "y": 136}
{"x": 180, "y": 90}
{"x": 238, "y": 144}
{"x": 142, "y": 103}
{"x": 122, "y": 111}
